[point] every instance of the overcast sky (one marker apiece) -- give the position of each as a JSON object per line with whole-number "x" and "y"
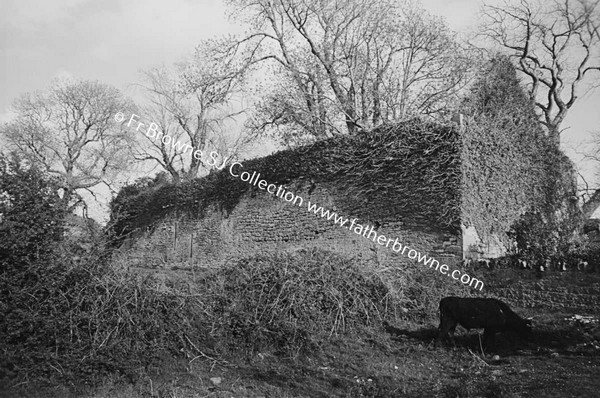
{"x": 112, "y": 40}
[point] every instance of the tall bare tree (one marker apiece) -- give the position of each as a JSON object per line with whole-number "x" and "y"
{"x": 70, "y": 131}
{"x": 193, "y": 104}
{"x": 354, "y": 63}
{"x": 556, "y": 45}
{"x": 589, "y": 191}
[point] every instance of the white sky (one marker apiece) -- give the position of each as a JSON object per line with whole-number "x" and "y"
{"x": 112, "y": 40}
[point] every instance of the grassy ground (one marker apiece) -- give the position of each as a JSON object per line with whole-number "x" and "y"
{"x": 395, "y": 361}
{"x": 400, "y": 360}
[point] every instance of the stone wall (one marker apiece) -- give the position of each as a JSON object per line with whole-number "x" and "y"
{"x": 548, "y": 293}
{"x": 262, "y": 223}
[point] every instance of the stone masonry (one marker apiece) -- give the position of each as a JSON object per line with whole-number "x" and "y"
{"x": 263, "y": 223}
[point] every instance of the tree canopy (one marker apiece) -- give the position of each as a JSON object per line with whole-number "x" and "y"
{"x": 69, "y": 131}
{"x": 556, "y": 46}
{"x": 339, "y": 67}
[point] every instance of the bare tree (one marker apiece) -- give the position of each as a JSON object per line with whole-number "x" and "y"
{"x": 589, "y": 192}
{"x": 354, "y": 63}
{"x": 557, "y": 48}
{"x": 295, "y": 113}
{"x": 193, "y": 105}
{"x": 70, "y": 131}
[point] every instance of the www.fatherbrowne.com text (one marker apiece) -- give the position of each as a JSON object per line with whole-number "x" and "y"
{"x": 279, "y": 191}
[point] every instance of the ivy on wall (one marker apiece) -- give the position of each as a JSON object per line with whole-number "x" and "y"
{"x": 413, "y": 166}
{"x": 492, "y": 172}
{"x": 509, "y": 166}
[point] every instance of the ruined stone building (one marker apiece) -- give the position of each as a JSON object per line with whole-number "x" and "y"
{"x": 422, "y": 183}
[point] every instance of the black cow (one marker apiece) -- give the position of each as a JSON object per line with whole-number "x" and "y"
{"x": 480, "y": 313}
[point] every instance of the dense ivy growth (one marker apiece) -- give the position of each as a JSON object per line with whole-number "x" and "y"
{"x": 414, "y": 165}
{"x": 510, "y": 168}
{"x": 498, "y": 167}
{"x": 32, "y": 215}
{"x": 63, "y": 319}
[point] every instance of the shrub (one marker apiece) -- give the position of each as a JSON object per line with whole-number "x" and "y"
{"x": 75, "y": 323}
{"x": 68, "y": 320}
{"x": 32, "y": 214}
{"x": 289, "y": 302}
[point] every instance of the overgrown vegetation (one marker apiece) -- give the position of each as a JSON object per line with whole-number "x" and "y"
{"x": 501, "y": 166}
{"x": 511, "y": 168}
{"x": 288, "y": 303}
{"x": 414, "y": 165}
{"x": 83, "y": 324}
{"x": 62, "y": 319}
{"x": 82, "y": 321}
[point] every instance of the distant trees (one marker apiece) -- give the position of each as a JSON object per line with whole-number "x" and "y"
{"x": 556, "y": 46}
{"x": 195, "y": 105}
{"x": 345, "y": 65}
{"x": 69, "y": 131}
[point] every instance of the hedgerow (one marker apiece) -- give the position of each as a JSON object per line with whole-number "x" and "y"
{"x": 72, "y": 322}
{"x": 64, "y": 319}
{"x": 79, "y": 324}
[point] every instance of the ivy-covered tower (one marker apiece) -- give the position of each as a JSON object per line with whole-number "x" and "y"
{"x": 516, "y": 184}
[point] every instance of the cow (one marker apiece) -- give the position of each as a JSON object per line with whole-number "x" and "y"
{"x": 489, "y": 314}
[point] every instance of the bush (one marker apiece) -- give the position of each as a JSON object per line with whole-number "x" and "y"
{"x": 32, "y": 215}
{"x": 64, "y": 319}
{"x": 290, "y": 302}
{"x": 77, "y": 324}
